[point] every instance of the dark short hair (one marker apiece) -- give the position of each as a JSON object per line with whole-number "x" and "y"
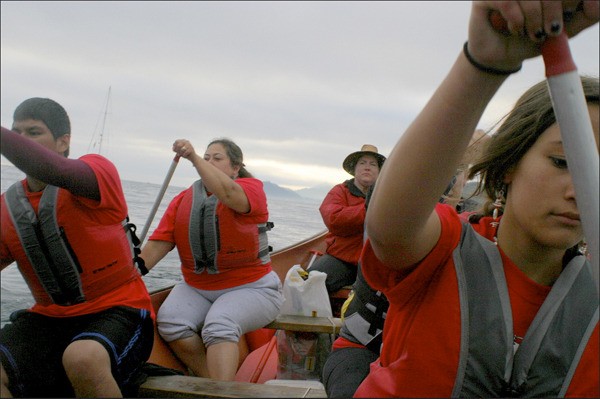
{"x": 48, "y": 111}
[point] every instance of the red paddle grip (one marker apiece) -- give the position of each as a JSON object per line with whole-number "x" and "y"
{"x": 498, "y": 23}
{"x": 557, "y": 55}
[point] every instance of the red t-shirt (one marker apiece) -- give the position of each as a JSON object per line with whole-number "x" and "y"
{"x": 174, "y": 228}
{"x": 81, "y": 218}
{"x": 420, "y": 352}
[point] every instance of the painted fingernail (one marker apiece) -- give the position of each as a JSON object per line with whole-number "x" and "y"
{"x": 555, "y": 27}
{"x": 568, "y": 15}
{"x": 540, "y": 34}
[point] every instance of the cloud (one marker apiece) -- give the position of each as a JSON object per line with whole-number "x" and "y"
{"x": 298, "y": 85}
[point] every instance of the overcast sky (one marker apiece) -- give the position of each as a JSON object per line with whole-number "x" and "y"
{"x": 298, "y": 85}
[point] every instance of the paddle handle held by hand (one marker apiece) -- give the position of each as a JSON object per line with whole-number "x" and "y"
{"x": 159, "y": 198}
{"x": 581, "y": 151}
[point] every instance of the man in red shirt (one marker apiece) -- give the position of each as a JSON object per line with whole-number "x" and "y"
{"x": 90, "y": 329}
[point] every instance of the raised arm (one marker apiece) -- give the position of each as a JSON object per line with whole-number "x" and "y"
{"x": 428, "y": 153}
{"x": 216, "y": 181}
{"x": 49, "y": 167}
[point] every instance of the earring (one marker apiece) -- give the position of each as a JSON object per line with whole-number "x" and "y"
{"x": 583, "y": 248}
{"x": 498, "y": 203}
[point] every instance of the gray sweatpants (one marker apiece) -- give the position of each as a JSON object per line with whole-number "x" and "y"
{"x": 220, "y": 315}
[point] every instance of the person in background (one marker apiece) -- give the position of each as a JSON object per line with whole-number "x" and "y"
{"x": 343, "y": 212}
{"x": 364, "y": 312}
{"x": 454, "y": 194}
{"x": 505, "y": 305}
{"x": 219, "y": 226}
{"x": 359, "y": 342}
{"x": 91, "y": 327}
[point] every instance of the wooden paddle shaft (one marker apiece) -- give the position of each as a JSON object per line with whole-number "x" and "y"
{"x": 159, "y": 198}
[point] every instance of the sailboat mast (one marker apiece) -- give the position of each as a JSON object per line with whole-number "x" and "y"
{"x": 104, "y": 120}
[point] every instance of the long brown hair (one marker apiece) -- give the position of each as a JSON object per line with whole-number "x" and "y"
{"x": 522, "y": 126}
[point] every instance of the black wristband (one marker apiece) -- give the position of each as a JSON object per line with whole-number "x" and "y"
{"x": 484, "y": 68}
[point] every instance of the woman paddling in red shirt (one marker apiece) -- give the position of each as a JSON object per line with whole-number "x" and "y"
{"x": 505, "y": 305}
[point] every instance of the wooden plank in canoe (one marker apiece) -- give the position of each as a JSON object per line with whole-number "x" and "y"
{"x": 176, "y": 386}
{"x": 338, "y": 298}
{"x": 330, "y": 325}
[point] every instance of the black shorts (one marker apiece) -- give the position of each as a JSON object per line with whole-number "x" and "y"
{"x": 32, "y": 346}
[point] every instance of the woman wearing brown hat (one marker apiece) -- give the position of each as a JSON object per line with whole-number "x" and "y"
{"x": 343, "y": 212}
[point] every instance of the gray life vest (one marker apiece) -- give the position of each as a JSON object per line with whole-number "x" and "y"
{"x": 545, "y": 362}
{"x": 204, "y": 234}
{"x": 51, "y": 256}
{"x": 365, "y": 315}
{"x": 46, "y": 246}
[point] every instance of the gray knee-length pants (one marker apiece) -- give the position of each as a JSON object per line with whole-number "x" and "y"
{"x": 219, "y": 315}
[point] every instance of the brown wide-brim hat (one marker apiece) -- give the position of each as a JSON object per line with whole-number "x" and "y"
{"x": 367, "y": 149}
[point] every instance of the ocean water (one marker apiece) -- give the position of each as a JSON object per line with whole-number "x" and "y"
{"x": 294, "y": 219}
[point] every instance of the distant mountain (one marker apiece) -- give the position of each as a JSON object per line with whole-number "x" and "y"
{"x": 317, "y": 192}
{"x": 273, "y": 190}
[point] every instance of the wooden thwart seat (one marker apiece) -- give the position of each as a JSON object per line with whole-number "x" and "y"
{"x": 338, "y": 298}
{"x": 342, "y": 293}
{"x": 176, "y": 386}
{"x": 330, "y": 325}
